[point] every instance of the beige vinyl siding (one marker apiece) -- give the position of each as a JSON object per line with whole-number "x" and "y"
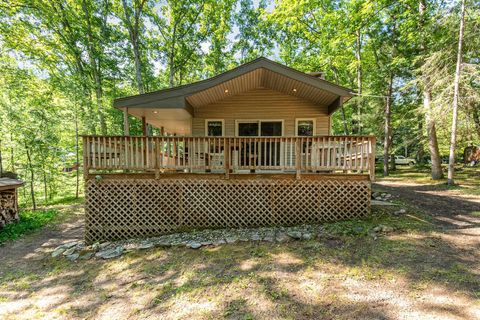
{"x": 261, "y": 104}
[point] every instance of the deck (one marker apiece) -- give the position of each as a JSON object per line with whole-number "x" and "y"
{"x": 147, "y": 186}
{"x": 318, "y": 154}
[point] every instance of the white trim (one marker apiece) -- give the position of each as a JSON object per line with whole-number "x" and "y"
{"x": 306, "y": 119}
{"x": 211, "y": 120}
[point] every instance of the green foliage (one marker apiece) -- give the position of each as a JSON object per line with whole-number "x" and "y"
{"x": 29, "y": 222}
{"x": 64, "y": 62}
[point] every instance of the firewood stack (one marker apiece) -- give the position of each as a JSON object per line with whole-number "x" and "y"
{"x": 8, "y": 208}
{"x": 8, "y": 200}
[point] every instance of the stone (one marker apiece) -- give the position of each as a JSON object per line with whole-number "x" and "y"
{"x": 86, "y": 256}
{"x": 145, "y": 245}
{"x": 103, "y": 245}
{"x": 297, "y": 235}
{"x": 163, "y": 243}
{"x": 219, "y": 242}
{"x": 194, "y": 245}
{"x": 399, "y": 212}
{"x": 73, "y": 257}
{"x": 387, "y": 229}
{"x": 255, "y": 237}
{"x": 307, "y": 236}
{"x": 268, "y": 238}
{"x": 381, "y": 203}
{"x": 69, "y": 251}
{"x": 231, "y": 239}
{"x": 58, "y": 251}
{"x": 96, "y": 246}
{"x": 282, "y": 237}
{"x": 377, "y": 229}
{"x": 110, "y": 253}
{"x": 70, "y": 244}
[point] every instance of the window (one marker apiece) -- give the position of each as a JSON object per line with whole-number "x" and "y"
{"x": 259, "y": 128}
{"x": 305, "y": 127}
{"x": 214, "y": 128}
{"x": 248, "y": 129}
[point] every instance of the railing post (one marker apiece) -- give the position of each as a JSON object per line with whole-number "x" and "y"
{"x": 226, "y": 156}
{"x": 298, "y": 158}
{"x": 157, "y": 158}
{"x": 372, "y": 158}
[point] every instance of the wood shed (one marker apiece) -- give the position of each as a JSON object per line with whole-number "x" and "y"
{"x": 9, "y": 200}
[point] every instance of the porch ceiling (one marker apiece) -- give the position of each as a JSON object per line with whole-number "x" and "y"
{"x": 262, "y": 78}
{"x": 173, "y": 120}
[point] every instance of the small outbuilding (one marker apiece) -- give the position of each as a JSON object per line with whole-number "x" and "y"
{"x": 9, "y": 200}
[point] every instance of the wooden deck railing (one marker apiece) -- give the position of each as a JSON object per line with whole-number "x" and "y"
{"x": 230, "y": 154}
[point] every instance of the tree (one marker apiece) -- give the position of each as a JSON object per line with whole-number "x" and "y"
{"x": 132, "y": 15}
{"x": 436, "y": 170}
{"x": 456, "y": 84}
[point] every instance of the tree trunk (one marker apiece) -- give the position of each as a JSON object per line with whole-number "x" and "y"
{"x": 45, "y": 185}
{"x": 133, "y": 32}
{"x": 476, "y": 119}
{"x": 12, "y": 154}
{"x": 342, "y": 108}
{"x": 171, "y": 72}
{"x": 456, "y": 85}
{"x": 437, "y": 172}
{"x": 77, "y": 182}
{"x": 358, "y": 55}
{"x": 93, "y": 55}
{"x": 421, "y": 139}
{"x": 387, "y": 127}
{"x": 32, "y": 178}
{"x": 171, "y": 59}
{"x": 1, "y": 160}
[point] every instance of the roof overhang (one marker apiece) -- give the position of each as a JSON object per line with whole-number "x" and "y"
{"x": 261, "y": 72}
{"x": 8, "y": 183}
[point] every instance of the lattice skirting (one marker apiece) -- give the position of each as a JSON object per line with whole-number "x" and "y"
{"x": 127, "y": 208}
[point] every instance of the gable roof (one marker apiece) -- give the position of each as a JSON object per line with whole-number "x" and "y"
{"x": 177, "y": 97}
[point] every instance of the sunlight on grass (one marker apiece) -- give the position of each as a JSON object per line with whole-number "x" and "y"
{"x": 29, "y": 222}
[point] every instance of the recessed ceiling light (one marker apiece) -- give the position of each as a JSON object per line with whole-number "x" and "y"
{"x": 294, "y": 90}
{"x": 226, "y": 90}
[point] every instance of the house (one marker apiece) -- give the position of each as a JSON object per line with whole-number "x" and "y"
{"x": 250, "y": 147}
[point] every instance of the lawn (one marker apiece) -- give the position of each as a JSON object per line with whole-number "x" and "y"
{"x": 419, "y": 270}
{"x": 467, "y": 179}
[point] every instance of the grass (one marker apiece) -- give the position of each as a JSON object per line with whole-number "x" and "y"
{"x": 467, "y": 179}
{"x": 356, "y": 277}
{"x": 415, "y": 271}
{"x": 30, "y": 221}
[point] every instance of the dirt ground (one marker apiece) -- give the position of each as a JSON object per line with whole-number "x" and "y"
{"x": 429, "y": 268}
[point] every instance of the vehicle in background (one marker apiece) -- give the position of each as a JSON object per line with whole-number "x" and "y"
{"x": 403, "y": 160}
{"x": 400, "y": 160}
